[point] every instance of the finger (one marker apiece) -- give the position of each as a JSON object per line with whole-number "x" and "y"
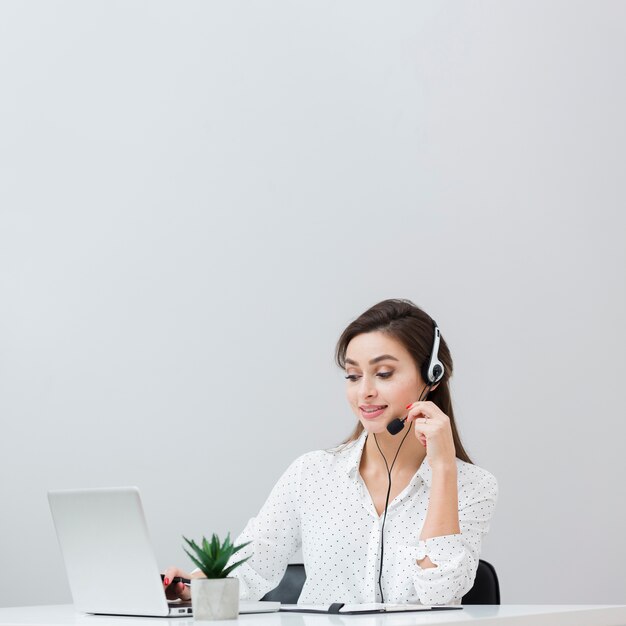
{"x": 168, "y": 575}
{"x": 176, "y": 590}
{"x": 420, "y": 411}
{"x": 424, "y": 429}
{"x": 425, "y": 408}
{"x": 172, "y": 572}
{"x": 420, "y": 418}
{"x": 181, "y": 591}
{"x": 420, "y": 436}
{"x": 419, "y": 403}
{"x": 176, "y": 571}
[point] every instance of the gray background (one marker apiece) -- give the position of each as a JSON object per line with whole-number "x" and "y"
{"x": 197, "y": 197}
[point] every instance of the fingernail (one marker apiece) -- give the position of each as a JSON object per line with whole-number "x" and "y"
{"x": 166, "y": 581}
{"x": 408, "y": 405}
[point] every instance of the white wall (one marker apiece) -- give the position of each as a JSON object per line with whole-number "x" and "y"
{"x": 197, "y": 197}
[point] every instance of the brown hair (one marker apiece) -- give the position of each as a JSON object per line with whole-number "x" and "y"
{"x": 413, "y": 328}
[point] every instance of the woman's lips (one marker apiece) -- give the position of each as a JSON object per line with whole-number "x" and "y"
{"x": 371, "y": 415}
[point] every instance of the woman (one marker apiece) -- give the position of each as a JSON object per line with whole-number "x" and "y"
{"x": 412, "y": 501}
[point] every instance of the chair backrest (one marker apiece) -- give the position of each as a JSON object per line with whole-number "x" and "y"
{"x": 486, "y": 589}
{"x": 289, "y": 588}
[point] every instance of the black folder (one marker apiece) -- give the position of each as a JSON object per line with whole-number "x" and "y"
{"x": 340, "y": 608}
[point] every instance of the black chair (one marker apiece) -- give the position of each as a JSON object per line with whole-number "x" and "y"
{"x": 486, "y": 589}
{"x": 289, "y": 588}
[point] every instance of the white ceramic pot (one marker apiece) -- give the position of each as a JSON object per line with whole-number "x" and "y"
{"x": 215, "y": 598}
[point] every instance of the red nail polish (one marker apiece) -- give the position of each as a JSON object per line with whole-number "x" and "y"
{"x": 408, "y": 405}
{"x": 167, "y": 581}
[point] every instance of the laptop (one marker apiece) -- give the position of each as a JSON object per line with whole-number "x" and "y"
{"x": 110, "y": 564}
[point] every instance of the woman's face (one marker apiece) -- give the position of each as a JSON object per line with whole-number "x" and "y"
{"x": 381, "y": 379}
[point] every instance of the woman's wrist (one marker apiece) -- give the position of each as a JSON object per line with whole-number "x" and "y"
{"x": 444, "y": 468}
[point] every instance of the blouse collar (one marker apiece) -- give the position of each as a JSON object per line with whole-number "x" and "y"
{"x": 350, "y": 459}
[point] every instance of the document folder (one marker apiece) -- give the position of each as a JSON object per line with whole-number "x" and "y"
{"x": 359, "y": 609}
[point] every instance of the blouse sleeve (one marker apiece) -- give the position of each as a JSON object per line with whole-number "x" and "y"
{"x": 456, "y": 556}
{"x": 274, "y": 535}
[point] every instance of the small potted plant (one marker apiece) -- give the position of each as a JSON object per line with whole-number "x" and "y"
{"x": 217, "y": 595}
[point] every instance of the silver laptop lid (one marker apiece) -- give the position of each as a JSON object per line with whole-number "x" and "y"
{"x": 108, "y": 556}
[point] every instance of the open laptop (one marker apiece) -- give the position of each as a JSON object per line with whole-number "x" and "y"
{"x": 111, "y": 567}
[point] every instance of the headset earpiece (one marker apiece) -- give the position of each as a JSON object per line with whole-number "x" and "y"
{"x": 433, "y": 370}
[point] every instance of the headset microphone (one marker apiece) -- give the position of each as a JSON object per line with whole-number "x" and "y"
{"x": 396, "y": 425}
{"x": 432, "y": 373}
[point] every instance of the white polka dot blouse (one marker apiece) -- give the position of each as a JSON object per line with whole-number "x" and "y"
{"x": 321, "y": 504}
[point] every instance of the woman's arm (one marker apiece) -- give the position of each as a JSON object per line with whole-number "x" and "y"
{"x": 442, "y": 516}
{"x": 432, "y": 429}
{"x": 274, "y": 535}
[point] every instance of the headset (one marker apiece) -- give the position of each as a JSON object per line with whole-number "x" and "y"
{"x": 432, "y": 372}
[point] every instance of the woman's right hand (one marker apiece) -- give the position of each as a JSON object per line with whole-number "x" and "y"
{"x": 174, "y": 591}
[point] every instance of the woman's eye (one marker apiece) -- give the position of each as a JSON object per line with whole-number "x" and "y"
{"x": 353, "y": 377}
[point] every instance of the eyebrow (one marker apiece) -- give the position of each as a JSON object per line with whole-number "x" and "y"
{"x": 376, "y": 360}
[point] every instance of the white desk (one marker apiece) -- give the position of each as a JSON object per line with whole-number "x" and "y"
{"x": 477, "y": 615}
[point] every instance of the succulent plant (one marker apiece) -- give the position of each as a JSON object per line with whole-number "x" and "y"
{"x": 211, "y": 557}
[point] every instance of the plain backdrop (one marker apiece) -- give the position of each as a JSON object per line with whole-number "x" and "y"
{"x": 197, "y": 197}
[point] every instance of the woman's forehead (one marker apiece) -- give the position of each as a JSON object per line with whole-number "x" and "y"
{"x": 367, "y": 346}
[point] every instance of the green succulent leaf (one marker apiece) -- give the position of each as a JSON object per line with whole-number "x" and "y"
{"x": 191, "y": 543}
{"x": 206, "y": 547}
{"x": 243, "y": 545}
{"x": 199, "y": 565}
{"x": 222, "y": 560}
{"x": 212, "y": 557}
{"x": 232, "y": 567}
{"x": 227, "y": 544}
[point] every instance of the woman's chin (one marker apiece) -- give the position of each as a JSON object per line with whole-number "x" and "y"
{"x": 374, "y": 426}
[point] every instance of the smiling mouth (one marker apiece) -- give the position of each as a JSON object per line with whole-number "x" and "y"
{"x": 370, "y": 413}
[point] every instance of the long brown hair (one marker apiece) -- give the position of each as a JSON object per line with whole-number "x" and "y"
{"x": 413, "y": 328}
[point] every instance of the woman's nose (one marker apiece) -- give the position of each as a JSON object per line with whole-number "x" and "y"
{"x": 368, "y": 387}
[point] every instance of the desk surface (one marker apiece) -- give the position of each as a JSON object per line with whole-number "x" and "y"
{"x": 477, "y": 615}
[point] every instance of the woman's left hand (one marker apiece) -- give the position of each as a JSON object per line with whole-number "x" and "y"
{"x": 433, "y": 430}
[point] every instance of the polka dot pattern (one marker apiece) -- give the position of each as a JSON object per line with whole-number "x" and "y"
{"x": 322, "y": 505}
